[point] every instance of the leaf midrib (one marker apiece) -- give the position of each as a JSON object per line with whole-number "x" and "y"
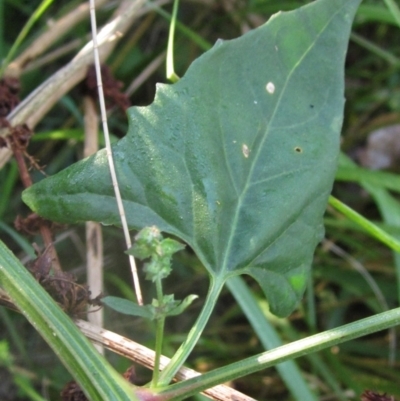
{"x": 223, "y": 270}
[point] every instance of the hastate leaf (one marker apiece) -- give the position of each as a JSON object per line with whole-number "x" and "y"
{"x": 237, "y": 158}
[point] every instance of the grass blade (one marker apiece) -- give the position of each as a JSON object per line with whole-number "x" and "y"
{"x": 268, "y": 336}
{"x": 96, "y": 377}
{"x": 367, "y": 225}
{"x": 394, "y": 9}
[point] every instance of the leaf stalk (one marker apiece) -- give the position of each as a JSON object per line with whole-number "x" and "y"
{"x": 216, "y": 284}
{"x": 160, "y": 323}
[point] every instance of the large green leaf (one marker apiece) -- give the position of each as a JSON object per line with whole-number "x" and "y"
{"x": 237, "y": 158}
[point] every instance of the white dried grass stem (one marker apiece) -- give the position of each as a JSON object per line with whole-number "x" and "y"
{"x": 94, "y": 237}
{"x": 56, "y": 29}
{"x": 145, "y": 74}
{"x": 114, "y": 179}
{"x": 145, "y": 357}
{"x": 32, "y": 109}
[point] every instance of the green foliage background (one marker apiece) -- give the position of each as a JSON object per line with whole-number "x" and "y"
{"x": 344, "y": 265}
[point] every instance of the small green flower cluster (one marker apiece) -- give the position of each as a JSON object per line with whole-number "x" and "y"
{"x": 150, "y": 244}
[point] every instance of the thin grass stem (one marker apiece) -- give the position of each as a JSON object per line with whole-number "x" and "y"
{"x": 367, "y": 225}
{"x": 113, "y": 173}
{"x": 171, "y": 74}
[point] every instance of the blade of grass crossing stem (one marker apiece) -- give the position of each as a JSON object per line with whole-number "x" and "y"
{"x": 268, "y": 336}
{"x": 394, "y": 9}
{"x": 94, "y": 374}
{"x": 296, "y": 349}
{"x": 25, "y": 30}
{"x": 368, "y": 226}
{"x": 118, "y": 198}
{"x": 171, "y": 74}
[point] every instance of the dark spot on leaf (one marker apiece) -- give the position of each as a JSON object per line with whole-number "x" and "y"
{"x": 311, "y": 106}
{"x": 298, "y": 149}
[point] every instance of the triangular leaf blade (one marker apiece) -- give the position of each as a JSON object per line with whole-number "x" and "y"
{"x": 237, "y": 158}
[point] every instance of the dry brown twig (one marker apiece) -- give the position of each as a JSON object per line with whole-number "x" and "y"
{"x": 32, "y": 109}
{"x": 145, "y": 357}
{"x": 37, "y": 104}
{"x": 53, "y": 55}
{"x": 56, "y": 30}
{"x": 94, "y": 238}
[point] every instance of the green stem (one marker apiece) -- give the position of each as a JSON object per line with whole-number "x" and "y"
{"x": 160, "y": 322}
{"x": 369, "y": 227}
{"x": 159, "y": 340}
{"x": 293, "y": 350}
{"x": 171, "y": 75}
{"x": 160, "y": 293}
{"x": 187, "y": 346}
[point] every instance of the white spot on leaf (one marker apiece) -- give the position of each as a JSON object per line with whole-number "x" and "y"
{"x": 270, "y": 88}
{"x": 245, "y": 150}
